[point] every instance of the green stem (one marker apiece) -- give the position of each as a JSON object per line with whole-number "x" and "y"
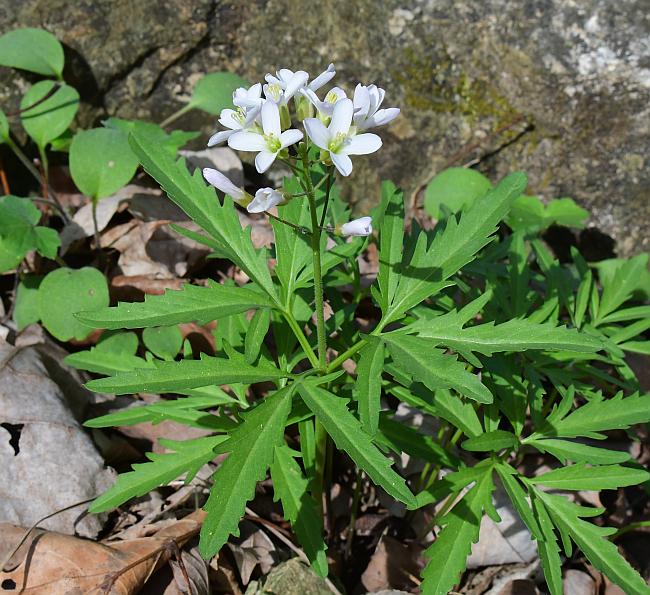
{"x": 177, "y": 114}
{"x": 628, "y": 528}
{"x": 330, "y": 175}
{"x": 302, "y": 339}
{"x": 318, "y": 275}
{"x": 345, "y": 355}
{"x": 320, "y": 464}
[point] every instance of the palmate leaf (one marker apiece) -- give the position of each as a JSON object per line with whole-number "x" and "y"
{"x": 581, "y": 477}
{"x": 591, "y": 539}
{"x": 346, "y": 431}
{"x": 191, "y": 303}
{"x": 513, "y": 335}
{"x": 188, "y": 457}
{"x": 186, "y": 374}
{"x": 290, "y": 486}
{"x": 368, "y": 384}
{"x": 448, "y": 553}
{"x": 251, "y": 447}
{"x": 597, "y": 416}
{"x": 200, "y": 203}
{"x": 434, "y": 261}
{"x": 418, "y": 358}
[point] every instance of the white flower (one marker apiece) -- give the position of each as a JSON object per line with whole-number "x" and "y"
{"x": 322, "y": 79}
{"x": 357, "y": 227}
{"x": 221, "y": 182}
{"x": 248, "y": 98}
{"x": 326, "y": 107}
{"x": 234, "y": 120}
{"x": 267, "y": 143}
{"x": 284, "y": 85}
{"x": 366, "y": 107}
{"x": 265, "y": 199}
{"x": 339, "y": 139}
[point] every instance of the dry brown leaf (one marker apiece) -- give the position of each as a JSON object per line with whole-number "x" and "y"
{"x": 392, "y": 565}
{"x": 55, "y": 564}
{"x": 253, "y": 548}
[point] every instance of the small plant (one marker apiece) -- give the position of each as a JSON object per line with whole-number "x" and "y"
{"x": 480, "y": 328}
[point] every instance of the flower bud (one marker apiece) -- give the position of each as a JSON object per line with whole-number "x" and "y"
{"x": 265, "y": 199}
{"x": 357, "y": 227}
{"x": 220, "y": 182}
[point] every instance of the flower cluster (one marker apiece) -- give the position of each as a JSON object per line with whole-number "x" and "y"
{"x": 261, "y": 122}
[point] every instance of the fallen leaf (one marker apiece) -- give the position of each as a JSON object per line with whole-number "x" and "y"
{"x": 392, "y": 565}
{"x": 253, "y": 548}
{"x": 197, "y": 573}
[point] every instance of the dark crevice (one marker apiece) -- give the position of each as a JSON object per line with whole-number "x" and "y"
{"x": 14, "y": 435}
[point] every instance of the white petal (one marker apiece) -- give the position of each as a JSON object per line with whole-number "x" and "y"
{"x": 317, "y": 132}
{"x": 323, "y": 78}
{"x": 221, "y": 182}
{"x": 313, "y": 98}
{"x": 272, "y": 80}
{"x": 229, "y": 119}
{"x": 220, "y": 137}
{"x": 289, "y": 137}
{"x": 383, "y": 116}
{"x": 285, "y": 74}
{"x": 357, "y": 227}
{"x": 247, "y": 141}
{"x": 263, "y": 160}
{"x": 255, "y": 92}
{"x": 265, "y": 199}
{"x": 342, "y": 162}
{"x": 341, "y": 117}
{"x": 362, "y": 144}
{"x": 271, "y": 118}
{"x": 297, "y": 81}
{"x": 361, "y": 99}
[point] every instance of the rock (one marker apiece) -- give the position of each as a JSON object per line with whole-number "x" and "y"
{"x": 47, "y": 461}
{"x": 292, "y": 577}
{"x": 578, "y": 583}
{"x": 462, "y": 72}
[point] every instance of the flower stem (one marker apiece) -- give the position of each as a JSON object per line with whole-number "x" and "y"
{"x": 302, "y": 339}
{"x": 177, "y": 114}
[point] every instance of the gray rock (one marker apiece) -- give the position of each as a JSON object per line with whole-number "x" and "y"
{"x": 577, "y": 71}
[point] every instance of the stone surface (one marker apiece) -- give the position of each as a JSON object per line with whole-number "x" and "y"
{"x": 573, "y": 75}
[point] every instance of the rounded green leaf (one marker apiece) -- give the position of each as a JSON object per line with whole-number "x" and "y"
{"x": 4, "y": 127}
{"x": 26, "y": 310}
{"x": 49, "y": 119}
{"x": 31, "y": 49}
{"x": 63, "y": 293}
{"x": 214, "y": 91}
{"x": 163, "y": 341}
{"x": 101, "y": 161}
{"x": 455, "y": 188}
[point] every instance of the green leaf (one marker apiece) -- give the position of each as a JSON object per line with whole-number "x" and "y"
{"x": 26, "y": 309}
{"x": 581, "y": 477}
{"x": 101, "y": 161}
{"x": 402, "y": 438}
{"x": 63, "y": 293}
{"x": 346, "y": 431}
{"x": 590, "y": 538}
{"x": 434, "y": 260}
{"x": 491, "y": 441}
{"x": 51, "y": 118}
{"x": 529, "y": 214}
{"x": 257, "y": 330}
{"x": 512, "y": 335}
{"x": 548, "y": 548}
{"x": 291, "y": 487}
{"x": 188, "y": 458}
{"x": 175, "y": 376}
{"x": 4, "y": 127}
{"x": 201, "y": 204}
{"x": 597, "y": 416}
{"x": 191, "y": 303}
{"x": 368, "y": 384}
{"x": 213, "y": 92}
{"x": 35, "y": 50}
{"x": 251, "y": 447}
{"x": 620, "y": 280}
{"x": 19, "y": 232}
{"x": 172, "y": 142}
{"x": 567, "y": 450}
{"x": 418, "y": 358}
{"x": 100, "y": 361}
{"x": 163, "y": 341}
{"x": 448, "y": 553}
{"x": 455, "y": 188}
{"x": 391, "y": 241}
{"x": 517, "y": 496}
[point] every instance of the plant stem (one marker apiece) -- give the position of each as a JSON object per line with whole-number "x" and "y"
{"x": 177, "y": 114}
{"x": 318, "y": 275}
{"x": 320, "y": 464}
{"x": 345, "y": 355}
{"x": 98, "y": 246}
{"x": 330, "y": 175}
{"x": 302, "y": 339}
{"x": 32, "y": 170}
